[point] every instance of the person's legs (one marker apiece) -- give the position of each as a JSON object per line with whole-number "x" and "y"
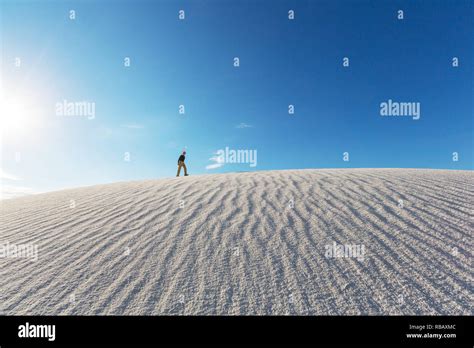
{"x": 185, "y": 169}
{"x": 179, "y": 168}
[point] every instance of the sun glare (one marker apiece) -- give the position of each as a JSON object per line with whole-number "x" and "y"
{"x": 15, "y": 117}
{"x": 12, "y": 116}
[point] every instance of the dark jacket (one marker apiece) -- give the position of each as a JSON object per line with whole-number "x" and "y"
{"x": 181, "y": 158}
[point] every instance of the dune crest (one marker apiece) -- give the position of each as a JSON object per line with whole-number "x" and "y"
{"x": 246, "y": 243}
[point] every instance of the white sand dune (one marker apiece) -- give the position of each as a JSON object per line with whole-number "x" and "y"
{"x": 237, "y": 245}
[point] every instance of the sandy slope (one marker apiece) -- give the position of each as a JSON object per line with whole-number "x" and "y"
{"x": 237, "y": 247}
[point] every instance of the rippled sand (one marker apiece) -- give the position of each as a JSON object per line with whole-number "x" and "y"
{"x": 246, "y": 243}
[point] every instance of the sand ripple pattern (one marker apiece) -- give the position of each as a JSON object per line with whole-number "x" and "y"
{"x": 246, "y": 244}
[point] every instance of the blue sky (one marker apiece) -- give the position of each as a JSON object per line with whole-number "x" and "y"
{"x": 190, "y": 62}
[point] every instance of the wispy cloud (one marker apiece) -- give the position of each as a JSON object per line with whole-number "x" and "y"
{"x": 9, "y": 191}
{"x": 171, "y": 144}
{"x": 243, "y": 125}
{"x": 218, "y": 162}
{"x": 214, "y": 166}
{"x": 12, "y": 191}
{"x": 132, "y": 126}
{"x": 7, "y": 176}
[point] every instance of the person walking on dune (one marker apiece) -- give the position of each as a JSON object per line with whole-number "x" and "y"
{"x": 181, "y": 164}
